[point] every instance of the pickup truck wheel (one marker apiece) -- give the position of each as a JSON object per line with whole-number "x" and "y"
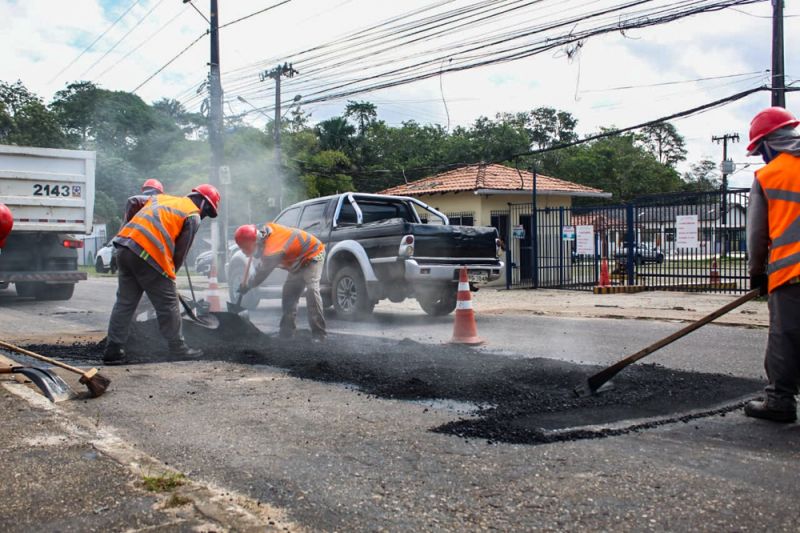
{"x": 57, "y": 291}
{"x": 350, "y": 298}
{"x": 235, "y": 276}
{"x": 25, "y": 289}
{"x": 98, "y": 266}
{"x": 439, "y": 303}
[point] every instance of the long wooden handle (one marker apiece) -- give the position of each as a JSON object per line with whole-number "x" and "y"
{"x": 47, "y": 359}
{"x": 604, "y": 375}
{"x": 244, "y": 280}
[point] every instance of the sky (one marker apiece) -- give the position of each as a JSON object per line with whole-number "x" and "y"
{"x": 616, "y": 79}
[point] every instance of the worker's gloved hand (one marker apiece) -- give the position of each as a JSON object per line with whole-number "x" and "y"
{"x": 243, "y": 288}
{"x": 759, "y": 281}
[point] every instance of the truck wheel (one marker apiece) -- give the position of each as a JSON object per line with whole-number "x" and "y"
{"x": 349, "y": 292}
{"x": 56, "y": 291}
{"x": 25, "y": 289}
{"x": 99, "y": 267}
{"x": 236, "y": 275}
{"x": 439, "y": 303}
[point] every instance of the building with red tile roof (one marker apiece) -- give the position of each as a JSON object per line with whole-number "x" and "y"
{"x": 478, "y": 194}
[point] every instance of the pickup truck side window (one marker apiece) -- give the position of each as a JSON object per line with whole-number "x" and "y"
{"x": 374, "y": 211}
{"x": 289, "y": 217}
{"x": 347, "y": 215}
{"x": 311, "y": 219}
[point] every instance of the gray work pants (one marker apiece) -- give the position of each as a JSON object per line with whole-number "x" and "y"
{"x": 135, "y": 277}
{"x": 782, "y": 360}
{"x": 307, "y": 277}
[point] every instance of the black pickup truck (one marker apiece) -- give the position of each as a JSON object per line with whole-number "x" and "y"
{"x": 380, "y": 247}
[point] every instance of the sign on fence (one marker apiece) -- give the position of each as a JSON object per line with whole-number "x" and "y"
{"x": 518, "y": 232}
{"x": 686, "y": 231}
{"x": 584, "y": 240}
{"x": 568, "y": 233}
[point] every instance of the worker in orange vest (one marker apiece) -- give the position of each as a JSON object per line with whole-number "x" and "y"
{"x": 150, "y": 188}
{"x": 151, "y": 248}
{"x": 773, "y": 243}
{"x": 296, "y": 251}
{"x": 6, "y": 223}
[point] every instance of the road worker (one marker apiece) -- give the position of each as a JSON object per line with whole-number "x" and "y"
{"x": 150, "y": 188}
{"x": 151, "y": 248}
{"x": 296, "y": 251}
{"x": 6, "y": 223}
{"x": 773, "y": 242}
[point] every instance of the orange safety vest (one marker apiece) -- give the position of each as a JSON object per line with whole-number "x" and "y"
{"x": 780, "y": 181}
{"x": 156, "y": 227}
{"x": 296, "y": 246}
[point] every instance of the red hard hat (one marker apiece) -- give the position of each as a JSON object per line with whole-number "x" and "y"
{"x": 6, "y": 223}
{"x": 767, "y": 121}
{"x": 211, "y": 194}
{"x": 152, "y": 183}
{"x": 245, "y": 237}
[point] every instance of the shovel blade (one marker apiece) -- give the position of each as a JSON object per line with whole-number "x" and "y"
{"x": 53, "y": 387}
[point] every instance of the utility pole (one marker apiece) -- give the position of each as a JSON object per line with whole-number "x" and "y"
{"x": 727, "y": 167}
{"x": 215, "y": 140}
{"x": 276, "y": 74}
{"x": 778, "y": 87}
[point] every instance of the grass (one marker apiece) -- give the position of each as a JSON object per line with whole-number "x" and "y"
{"x": 176, "y": 500}
{"x": 164, "y": 482}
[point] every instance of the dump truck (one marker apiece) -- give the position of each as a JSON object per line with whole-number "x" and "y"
{"x": 50, "y": 192}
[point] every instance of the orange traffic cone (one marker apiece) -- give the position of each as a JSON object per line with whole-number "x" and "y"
{"x": 605, "y": 279}
{"x": 465, "y": 331}
{"x": 714, "y": 275}
{"x": 212, "y": 292}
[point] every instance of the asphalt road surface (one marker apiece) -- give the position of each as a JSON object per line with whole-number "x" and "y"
{"x": 330, "y": 456}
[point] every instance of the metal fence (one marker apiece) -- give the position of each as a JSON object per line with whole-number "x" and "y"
{"x": 686, "y": 242}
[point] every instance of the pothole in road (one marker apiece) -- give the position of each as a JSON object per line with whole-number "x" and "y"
{"x": 492, "y": 396}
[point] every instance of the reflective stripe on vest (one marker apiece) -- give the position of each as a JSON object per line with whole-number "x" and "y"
{"x": 780, "y": 181}
{"x": 296, "y": 246}
{"x": 156, "y": 227}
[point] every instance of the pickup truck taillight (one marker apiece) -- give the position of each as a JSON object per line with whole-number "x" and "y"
{"x": 406, "y": 246}
{"x": 69, "y": 243}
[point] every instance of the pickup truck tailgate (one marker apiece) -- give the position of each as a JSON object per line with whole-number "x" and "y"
{"x": 455, "y": 242}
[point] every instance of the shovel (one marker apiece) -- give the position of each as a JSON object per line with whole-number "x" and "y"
{"x": 599, "y": 382}
{"x": 48, "y": 382}
{"x": 237, "y": 307}
{"x": 208, "y": 321}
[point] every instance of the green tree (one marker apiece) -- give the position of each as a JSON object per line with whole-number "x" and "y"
{"x": 364, "y": 113}
{"x": 664, "y": 142}
{"x": 702, "y": 176}
{"x": 25, "y": 120}
{"x": 619, "y": 165}
{"x": 326, "y": 173}
{"x": 335, "y": 134}
{"x": 547, "y": 126}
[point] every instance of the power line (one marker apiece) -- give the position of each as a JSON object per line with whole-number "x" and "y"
{"x": 145, "y": 41}
{"x": 675, "y": 82}
{"x": 60, "y": 72}
{"x": 138, "y": 23}
{"x": 153, "y": 75}
{"x": 254, "y": 14}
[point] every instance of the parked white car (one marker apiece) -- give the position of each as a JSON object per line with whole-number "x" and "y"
{"x": 105, "y": 261}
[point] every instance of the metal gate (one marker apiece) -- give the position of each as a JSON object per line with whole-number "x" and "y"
{"x": 685, "y": 241}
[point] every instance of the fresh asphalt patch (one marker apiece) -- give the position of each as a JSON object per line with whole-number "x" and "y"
{"x": 517, "y": 399}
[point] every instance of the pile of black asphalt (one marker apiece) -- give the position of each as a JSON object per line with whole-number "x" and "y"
{"x": 514, "y": 399}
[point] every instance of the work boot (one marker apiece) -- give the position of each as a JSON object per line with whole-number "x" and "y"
{"x": 774, "y": 409}
{"x": 114, "y": 354}
{"x": 182, "y": 350}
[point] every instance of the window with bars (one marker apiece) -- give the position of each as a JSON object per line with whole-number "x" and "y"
{"x": 464, "y": 218}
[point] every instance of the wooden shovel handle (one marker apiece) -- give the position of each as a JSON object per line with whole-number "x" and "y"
{"x": 53, "y": 362}
{"x": 601, "y": 377}
{"x": 245, "y": 278}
